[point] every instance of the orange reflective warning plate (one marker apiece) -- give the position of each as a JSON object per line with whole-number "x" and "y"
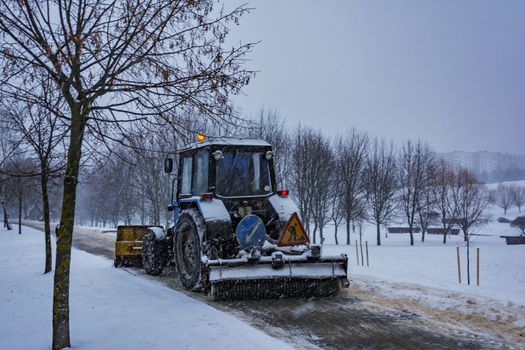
{"x": 293, "y": 233}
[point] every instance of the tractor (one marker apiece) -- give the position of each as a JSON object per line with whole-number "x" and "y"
{"x": 234, "y": 234}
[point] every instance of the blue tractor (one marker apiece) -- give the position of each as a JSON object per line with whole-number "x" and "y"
{"x": 235, "y": 235}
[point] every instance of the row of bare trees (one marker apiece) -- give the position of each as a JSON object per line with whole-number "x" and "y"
{"x": 507, "y": 196}
{"x": 355, "y": 177}
{"x": 343, "y": 181}
{"x": 128, "y": 186}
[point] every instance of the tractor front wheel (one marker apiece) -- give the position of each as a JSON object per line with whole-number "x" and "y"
{"x": 187, "y": 248}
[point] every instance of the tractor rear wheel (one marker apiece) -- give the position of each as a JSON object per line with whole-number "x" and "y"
{"x": 187, "y": 248}
{"x": 153, "y": 254}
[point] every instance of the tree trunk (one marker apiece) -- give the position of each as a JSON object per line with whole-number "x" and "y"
{"x": 378, "y": 234}
{"x": 444, "y": 237}
{"x": 321, "y": 236}
{"x": 361, "y": 243}
{"x": 335, "y": 235}
{"x": 20, "y": 193}
{"x": 7, "y": 224}
{"x": 410, "y": 229}
{"x": 347, "y": 231}
{"x": 61, "y": 336}
{"x": 142, "y": 209}
{"x": 47, "y": 225}
{"x": 468, "y": 261}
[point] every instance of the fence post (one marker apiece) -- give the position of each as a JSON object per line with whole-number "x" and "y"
{"x": 459, "y": 265}
{"x": 477, "y": 251}
{"x": 357, "y": 252}
{"x": 366, "y": 243}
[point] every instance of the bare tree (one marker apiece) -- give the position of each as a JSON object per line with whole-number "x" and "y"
{"x": 20, "y": 184}
{"x": 380, "y": 183}
{"x": 471, "y": 199}
{"x": 300, "y": 173}
{"x": 503, "y": 197}
{"x": 43, "y": 133}
{"x": 321, "y": 182}
{"x": 151, "y": 180}
{"x": 426, "y": 205}
{"x": 518, "y": 196}
{"x": 444, "y": 179}
{"x": 8, "y": 147}
{"x": 336, "y": 210}
{"x": 360, "y": 215}
{"x": 114, "y": 62}
{"x": 273, "y": 130}
{"x": 351, "y": 153}
{"x": 412, "y": 175}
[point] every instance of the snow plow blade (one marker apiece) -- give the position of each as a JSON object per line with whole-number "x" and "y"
{"x": 276, "y": 276}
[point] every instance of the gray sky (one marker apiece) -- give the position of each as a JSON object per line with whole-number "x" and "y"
{"x": 450, "y": 72}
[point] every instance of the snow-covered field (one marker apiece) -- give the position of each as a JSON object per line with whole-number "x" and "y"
{"x": 110, "y": 308}
{"x": 434, "y": 264}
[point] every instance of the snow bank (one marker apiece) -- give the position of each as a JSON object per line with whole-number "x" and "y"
{"x": 110, "y": 308}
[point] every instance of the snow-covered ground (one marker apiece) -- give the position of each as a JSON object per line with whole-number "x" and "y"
{"x": 110, "y": 308}
{"x": 434, "y": 264}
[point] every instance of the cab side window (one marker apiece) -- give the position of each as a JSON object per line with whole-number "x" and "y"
{"x": 187, "y": 165}
{"x": 200, "y": 175}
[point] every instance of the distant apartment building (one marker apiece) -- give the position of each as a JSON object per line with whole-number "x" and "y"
{"x": 489, "y": 166}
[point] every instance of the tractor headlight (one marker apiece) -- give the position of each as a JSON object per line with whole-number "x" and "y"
{"x": 268, "y": 155}
{"x": 217, "y": 155}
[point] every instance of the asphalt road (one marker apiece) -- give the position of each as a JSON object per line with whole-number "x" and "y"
{"x": 356, "y": 319}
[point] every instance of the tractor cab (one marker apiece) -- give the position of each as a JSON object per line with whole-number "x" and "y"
{"x": 241, "y": 169}
{"x": 236, "y": 178}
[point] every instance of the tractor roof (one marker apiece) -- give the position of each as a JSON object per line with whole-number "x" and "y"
{"x": 226, "y": 141}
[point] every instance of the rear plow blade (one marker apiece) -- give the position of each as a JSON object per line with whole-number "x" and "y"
{"x": 271, "y": 278}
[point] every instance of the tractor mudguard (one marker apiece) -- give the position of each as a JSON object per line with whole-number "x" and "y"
{"x": 215, "y": 215}
{"x": 283, "y": 206}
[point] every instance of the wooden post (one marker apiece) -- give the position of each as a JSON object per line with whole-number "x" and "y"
{"x": 459, "y": 266}
{"x": 357, "y": 252}
{"x": 366, "y": 243}
{"x": 477, "y": 251}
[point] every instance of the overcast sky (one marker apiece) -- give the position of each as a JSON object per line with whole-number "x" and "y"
{"x": 449, "y": 72}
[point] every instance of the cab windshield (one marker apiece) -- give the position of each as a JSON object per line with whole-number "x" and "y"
{"x": 243, "y": 174}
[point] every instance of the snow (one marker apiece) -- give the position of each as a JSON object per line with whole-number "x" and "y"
{"x": 158, "y": 232}
{"x": 228, "y": 141}
{"x": 110, "y": 308}
{"x": 434, "y": 264}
